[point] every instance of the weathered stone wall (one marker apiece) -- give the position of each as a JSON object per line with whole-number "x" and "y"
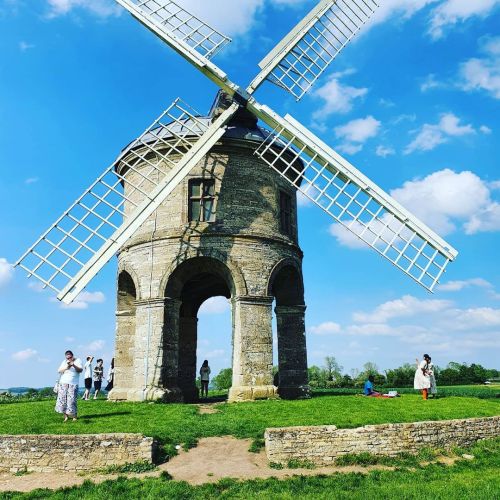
{"x": 323, "y": 444}
{"x": 46, "y": 452}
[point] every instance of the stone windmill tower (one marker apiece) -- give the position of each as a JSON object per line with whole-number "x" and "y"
{"x": 229, "y": 228}
{"x": 204, "y": 206}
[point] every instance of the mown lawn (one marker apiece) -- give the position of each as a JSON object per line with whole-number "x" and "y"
{"x": 182, "y": 424}
{"x": 465, "y": 480}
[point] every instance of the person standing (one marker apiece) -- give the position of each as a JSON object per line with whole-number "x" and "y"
{"x": 422, "y": 381}
{"x": 432, "y": 378}
{"x": 204, "y": 377}
{"x": 111, "y": 375}
{"x": 87, "y": 376}
{"x": 97, "y": 376}
{"x": 67, "y": 393}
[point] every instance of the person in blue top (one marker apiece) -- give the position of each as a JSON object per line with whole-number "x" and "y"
{"x": 368, "y": 389}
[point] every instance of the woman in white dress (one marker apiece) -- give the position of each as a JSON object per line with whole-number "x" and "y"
{"x": 422, "y": 381}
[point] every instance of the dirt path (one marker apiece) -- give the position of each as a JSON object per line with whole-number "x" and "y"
{"x": 213, "y": 459}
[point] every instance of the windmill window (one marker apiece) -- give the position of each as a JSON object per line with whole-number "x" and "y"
{"x": 202, "y": 200}
{"x": 285, "y": 213}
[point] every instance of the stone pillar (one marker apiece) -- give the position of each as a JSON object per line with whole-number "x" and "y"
{"x": 188, "y": 334}
{"x": 252, "y": 349}
{"x": 292, "y": 353}
{"x": 124, "y": 354}
{"x": 156, "y": 329}
{"x": 170, "y": 373}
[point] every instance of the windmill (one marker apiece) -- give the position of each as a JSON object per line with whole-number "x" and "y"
{"x": 99, "y": 223}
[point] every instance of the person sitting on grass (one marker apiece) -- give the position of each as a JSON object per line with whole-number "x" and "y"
{"x": 368, "y": 389}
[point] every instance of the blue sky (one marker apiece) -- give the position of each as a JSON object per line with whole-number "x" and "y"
{"x": 413, "y": 103}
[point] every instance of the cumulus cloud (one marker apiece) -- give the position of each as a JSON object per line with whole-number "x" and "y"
{"x": 452, "y": 12}
{"x": 446, "y": 199}
{"x": 336, "y": 97}
{"x": 94, "y": 346}
{"x": 356, "y": 132}
{"x": 405, "y": 307}
{"x": 83, "y": 300}
{"x": 99, "y": 8}
{"x": 215, "y": 305}
{"x": 478, "y": 74}
{"x": 384, "y": 151}
{"x": 232, "y": 18}
{"x": 327, "y": 328}
{"x": 431, "y": 136}
{"x": 430, "y": 83}
{"x": 346, "y": 237}
{"x": 24, "y": 355}
{"x": 6, "y": 272}
{"x": 458, "y": 285}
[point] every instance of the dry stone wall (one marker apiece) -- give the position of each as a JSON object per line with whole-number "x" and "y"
{"x": 323, "y": 444}
{"x": 46, "y": 453}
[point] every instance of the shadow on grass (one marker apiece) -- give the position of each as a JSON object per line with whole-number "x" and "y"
{"x": 100, "y": 415}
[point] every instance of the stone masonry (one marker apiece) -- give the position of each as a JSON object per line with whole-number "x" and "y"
{"x": 173, "y": 264}
{"x": 46, "y": 453}
{"x": 321, "y": 445}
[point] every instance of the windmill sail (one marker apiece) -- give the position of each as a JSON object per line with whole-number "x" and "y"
{"x": 74, "y": 249}
{"x": 190, "y": 37}
{"x": 178, "y": 23}
{"x": 306, "y": 52}
{"x": 349, "y": 197}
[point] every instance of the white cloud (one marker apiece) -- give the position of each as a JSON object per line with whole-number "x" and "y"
{"x": 6, "y": 272}
{"x": 348, "y": 238}
{"x": 384, "y": 151}
{"x": 24, "y": 46}
{"x": 430, "y": 83}
{"x": 83, "y": 300}
{"x": 452, "y": 12}
{"x": 214, "y": 305}
{"x": 458, "y": 285}
{"x": 405, "y": 307}
{"x": 99, "y": 8}
{"x": 94, "y": 346}
{"x": 369, "y": 329}
{"x": 337, "y": 98}
{"x": 356, "y": 132}
{"x": 31, "y": 180}
{"x": 24, "y": 355}
{"x": 485, "y": 130}
{"x": 327, "y": 328}
{"x": 431, "y": 136}
{"x": 401, "y": 9}
{"x": 232, "y": 18}
{"x": 445, "y": 198}
{"x": 349, "y": 148}
{"x": 483, "y": 73}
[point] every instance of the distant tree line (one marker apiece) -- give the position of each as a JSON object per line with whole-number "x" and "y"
{"x": 331, "y": 375}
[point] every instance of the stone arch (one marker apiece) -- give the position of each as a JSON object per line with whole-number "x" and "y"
{"x": 125, "y": 266}
{"x": 286, "y": 283}
{"x": 190, "y": 284}
{"x": 238, "y": 284}
{"x": 286, "y": 286}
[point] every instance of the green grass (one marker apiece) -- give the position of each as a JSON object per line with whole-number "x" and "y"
{"x": 465, "y": 480}
{"x": 181, "y": 424}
